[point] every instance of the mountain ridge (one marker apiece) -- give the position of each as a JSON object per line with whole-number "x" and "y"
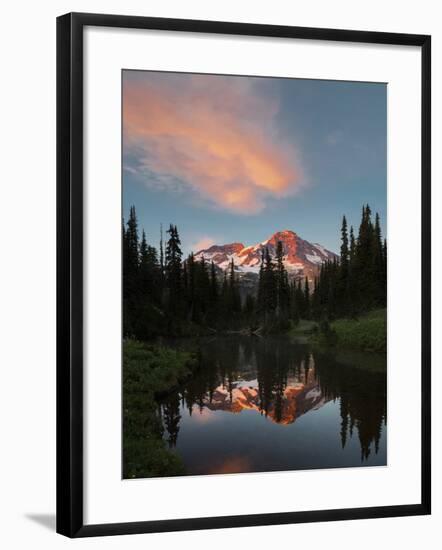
{"x": 301, "y": 258}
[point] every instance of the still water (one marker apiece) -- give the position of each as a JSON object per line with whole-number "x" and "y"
{"x": 268, "y": 404}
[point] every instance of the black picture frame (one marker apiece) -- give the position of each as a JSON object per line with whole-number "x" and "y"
{"x": 70, "y": 273}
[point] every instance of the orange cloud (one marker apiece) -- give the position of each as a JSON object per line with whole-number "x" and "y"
{"x": 215, "y": 135}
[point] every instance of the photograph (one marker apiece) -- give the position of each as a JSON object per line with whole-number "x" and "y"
{"x": 221, "y": 275}
{"x": 254, "y": 274}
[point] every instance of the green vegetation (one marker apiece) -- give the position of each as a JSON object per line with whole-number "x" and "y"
{"x": 357, "y": 283}
{"x": 350, "y": 295}
{"x": 165, "y": 294}
{"x": 368, "y": 333}
{"x": 149, "y": 371}
{"x": 303, "y": 328}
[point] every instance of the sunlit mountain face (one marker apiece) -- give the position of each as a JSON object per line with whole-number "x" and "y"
{"x": 283, "y": 407}
{"x": 279, "y": 382}
{"x": 301, "y": 258}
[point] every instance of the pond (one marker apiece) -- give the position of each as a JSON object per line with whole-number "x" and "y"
{"x": 273, "y": 404}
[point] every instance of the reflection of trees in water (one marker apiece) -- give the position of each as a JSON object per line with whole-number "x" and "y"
{"x": 171, "y": 417}
{"x": 278, "y": 364}
{"x": 363, "y": 399}
{"x": 275, "y": 361}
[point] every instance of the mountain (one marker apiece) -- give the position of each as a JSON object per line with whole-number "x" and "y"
{"x": 296, "y": 399}
{"x": 301, "y": 258}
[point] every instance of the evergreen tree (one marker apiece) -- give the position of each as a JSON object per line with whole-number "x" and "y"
{"x": 213, "y": 284}
{"x": 172, "y": 417}
{"x": 342, "y": 291}
{"x": 306, "y": 299}
{"x": 378, "y": 264}
{"x": 294, "y": 306}
{"x": 224, "y": 289}
{"x": 364, "y": 262}
{"x": 147, "y": 319}
{"x": 260, "y": 298}
{"x": 223, "y": 309}
{"x": 357, "y": 283}
{"x": 186, "y": 283}
{"x": 300, "y": 299}
{"x": 234, "y": 296}
{"x": 213, "y": 296}
{"x": 270, "y": 290}
{"x": 143, "y": 248}
{"x": 202, "y": 291}
{"x": 249, "y": 309}
{"x": 149, "y": 270}
{"x": 344, "y": 243}
{"x": 282, "y": 286}
{"x": 352, "y": 280}
{"x": 131, "y": 255}
{"x": 161, "y": 281}
{"x": 130, "y": 272}
{"x": 384, "y": 273}
{"x": 125, "y": 290}
{"x": 314, "y": 302}
{"x": 173, "y": 270}
{"x": 191, "y": 284}
{"x": 352, "y": 245}
{"x": 161, "y": 247}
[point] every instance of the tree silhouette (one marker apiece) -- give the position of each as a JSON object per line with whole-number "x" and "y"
{"x": 164, "y": 295}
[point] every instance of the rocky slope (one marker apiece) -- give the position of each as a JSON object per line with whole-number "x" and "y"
{"x": 301, "y": 258}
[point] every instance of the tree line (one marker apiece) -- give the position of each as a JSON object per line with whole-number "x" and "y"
{"x": 167, "y": 294}
{"x": 357, "y": 282}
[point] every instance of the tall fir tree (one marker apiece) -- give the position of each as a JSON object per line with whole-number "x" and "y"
{"x": 282, "y": 287}
{"x": 131, "y": 255}
{"x": 294, "y": 305}
{"x": 202, "y": 291}
{"x": 214, "y": 291}
{"x": 173, "y": 270}
{"x": 270, "y": 289}
{"x": 357, "y": 283}
{"x": 378, "y": 263}
{"x": 342, "y": 291}
{"x": 300, "y": 299}
{"x": 306, "y": 299}
{"x": 130, "y": 273}
{"x": 234, "y": 295}
{"x": 352, "y": 245}
{"x": 213, "y": 296}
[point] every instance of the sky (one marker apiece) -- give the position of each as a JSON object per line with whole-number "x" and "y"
{"x": 236, "y": 158}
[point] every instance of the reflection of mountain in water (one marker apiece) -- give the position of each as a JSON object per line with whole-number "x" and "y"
{"x": 294, "y": 400}
{"x": 282, "y": 381}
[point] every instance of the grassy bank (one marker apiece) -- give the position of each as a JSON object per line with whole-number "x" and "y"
{"x": 149, "y": 370}
{"x": 303, "y": 328}
{"x": 367, "y": 333}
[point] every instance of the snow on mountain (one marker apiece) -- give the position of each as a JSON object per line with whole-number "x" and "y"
{"x": 297, "y": 398}
{"x": 301, "y": 258}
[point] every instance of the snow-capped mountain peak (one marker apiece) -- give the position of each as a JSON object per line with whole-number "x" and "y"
{"x": 301, "y": 258}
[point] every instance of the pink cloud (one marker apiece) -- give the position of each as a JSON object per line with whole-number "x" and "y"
{"x": 215, "y": 135}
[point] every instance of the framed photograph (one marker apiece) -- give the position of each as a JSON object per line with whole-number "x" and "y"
{"x": 243, "y": 274}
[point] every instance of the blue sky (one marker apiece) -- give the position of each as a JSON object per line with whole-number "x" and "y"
{"x": 234, "y": 159}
